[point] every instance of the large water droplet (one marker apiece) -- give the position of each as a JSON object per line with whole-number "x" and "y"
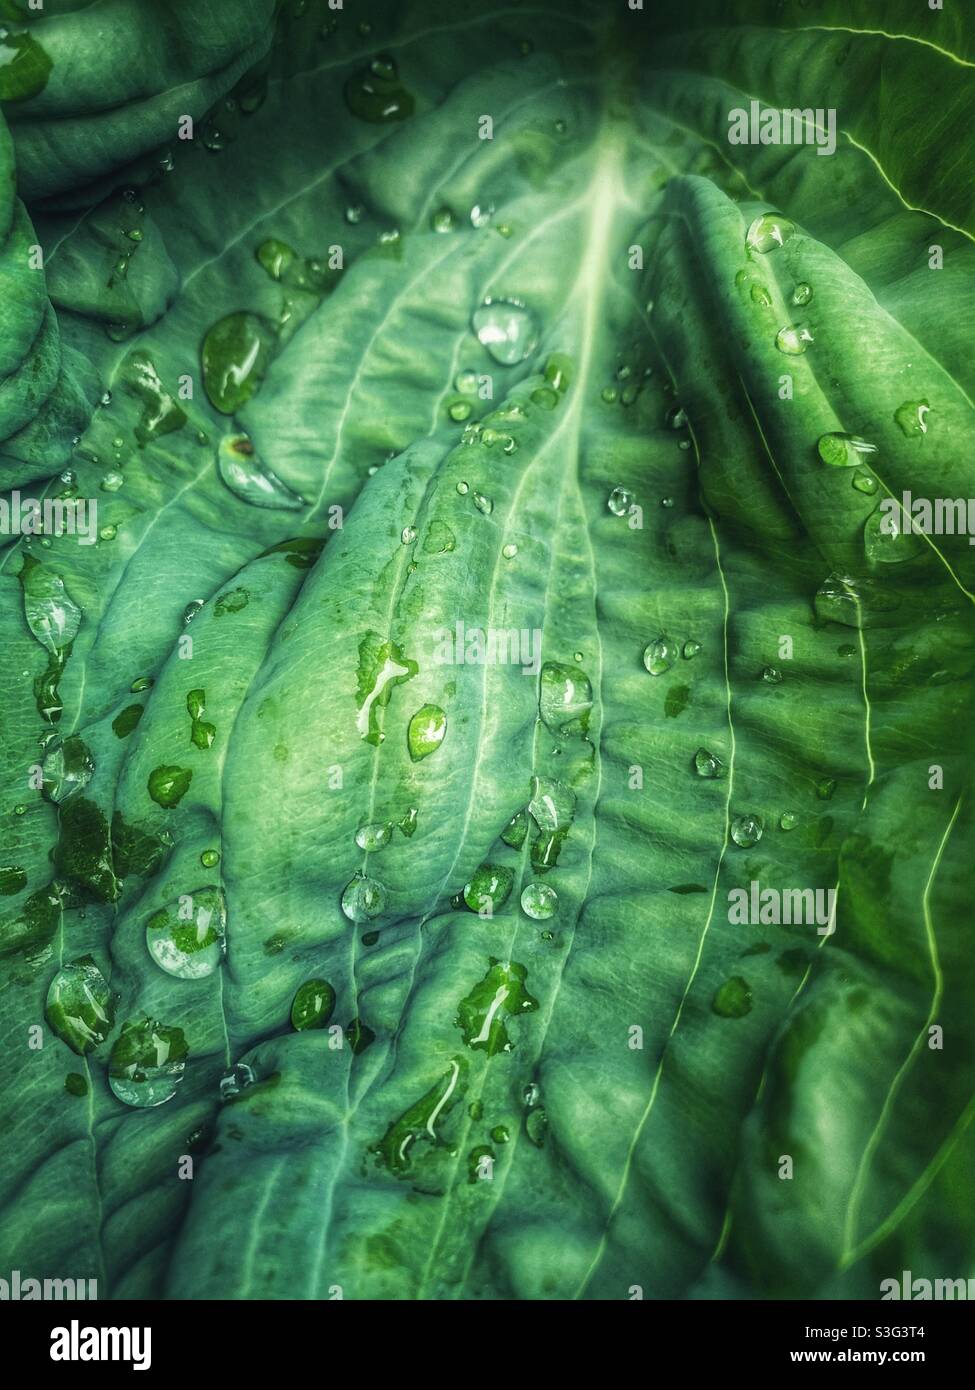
{"x": 890, "y": 540}
{"x": 313, "y": 1005}
{"x": 912, "y": 417}
{"x": 564, "y": 698}
{"x": 768, "y": 232}
{"x": 67, "y": 767}
{"x": 793, "y": 339}
{"x": 374, "y": 836}
{"x": 507, "y": 329}
{"x": 147, "y": 1063}
{"x": 747, "y": 830}
{"x": 186, "y": 937}
{"x": 242, "y": 471}
{"x": 844, "y": 450}
{"x": 481, "y": 1015}
{"x": 236, "y": 352}
{"x": 620, "y": 501}
{"x": 552, "y": 803}
{"x": 426, "y": 731}
{"x": 660, "y": 655}
{"x": 489, "y": 888}
{"x": 52, "y": 616}
{"x": 708, "y": 764}
{"x": 539, "y": 901}
{"x": 363, "y": 898}
{"x": 80, "y": 1007}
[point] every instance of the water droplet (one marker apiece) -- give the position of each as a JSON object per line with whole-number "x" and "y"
{"x": 509, "y": 551}
{"x": 363, "y": 898}
{"x": 912, "y": 417}
{"x": 463, "y": 489}
{"x": 459, "y": 410}
{"x": 609, "y": 394}
{"x": 237, "y": 1079}
{"x": 825, "y": 787}
{"x": 676, "y": 418}
{"x": 236, "y": 353}
{"x": 539, "y": 901}
{"x": 408, "y": 535}
{"x": 545, "y": 397}
{"x": 708, "y": 764}
{"x": 733, "y": 999}
{"x": 374, "y": 836}
{"x": 186, "y": 938}
{"x": 443, "y": 220}
{"x": 483, "y": 504}
{"x": 52, "y": 616}
{"x": 844, "y": 450}
{"x": 147, "y": 1063}
{"x": 481, "y": 1015}
{"x": 690, "y": 650}
{"x": 802, "y": 293}
{"x": 772, "y": 675}
{"x": 489, "y": 888}
{"x": 426, "y": 731}
{"x": 536, "y": 1125}
{"x": 747, "y": 830}
{"x": 660, "y": 655}
{"x": 620, "y": 500}
{"x": 111, "y": 482}
{"x": 353, "y": 214}
{"x": 507, "y": 329}
{"x": 313, "y": 1005}
{"x": 863, "y": 482}
{"x": 890, "y": 540}
{"x": 67, "y": 768}
{"x": 564, "y": 698}
{"x": 788, "y": 820}
{"x": 768, "y": 232}
{"x": 210, "y": 858}
{"x": 793, "y": 339}
{"x": 481, "y": 214}
{"x": 376, "y": 94}
{"x": 500, "y": 1134}
{"x": 168, "y": 784}
{"x": 80, "y": 1007}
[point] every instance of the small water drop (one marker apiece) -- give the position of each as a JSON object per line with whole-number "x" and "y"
{"x": 768, "y": 232}
{"x": 802, "y": 293}
{"x": 426, "y": 731}
{"x": 363, "y": 898}
{"x": 620, "y": 501}
{"x": 912, "y": 417}
{"x": 733, "y": 999}
{"x": 374, "y": 836}
{"x": 844, "y": 450}
{"x": 507, "y": 329}
{"x": 708, "y": 764}
{"x": 147, "y": 1063}
{"x": 793, "y": 339}
{"x": 747, "y": 830}
{"x": 660, "y": 655}
{"x": 539, "y": 901}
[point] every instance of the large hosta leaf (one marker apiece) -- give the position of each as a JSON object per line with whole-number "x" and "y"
{"x": 367, "y": 963}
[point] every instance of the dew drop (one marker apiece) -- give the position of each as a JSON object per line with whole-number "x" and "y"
{"x": 147, "y": 1063}
{"x": 793, "y": 339}
{"x": 539, "y": 901}
{"x": 507, "y": 329}
{"x": 708, "y": 764}
{"x": 363, "y": 898}
{"x": 620, "y": 500}
{"x": 660, "y": 655}
{"x": 844, "y": 450}
{"x": 747, "y": 830}
{"x": 426, "y": 731}
{"x": 768, "y": 232}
